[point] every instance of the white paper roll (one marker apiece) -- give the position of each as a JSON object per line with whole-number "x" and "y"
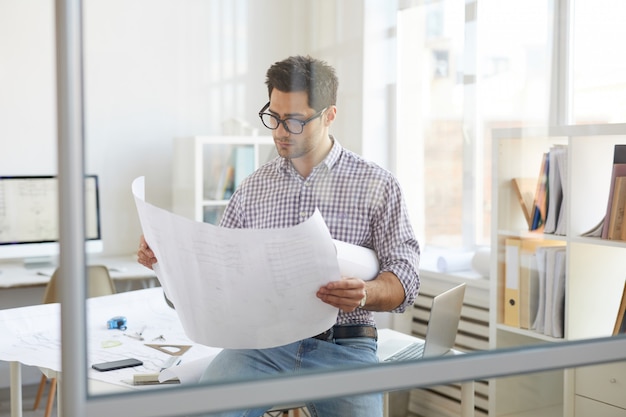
{"x": 481, "y": 262}
{"x": 356, "y": 261}
{"x": 453, "y": 262}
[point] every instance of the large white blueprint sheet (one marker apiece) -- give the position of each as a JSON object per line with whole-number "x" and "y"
{"x": 242, "y": 288}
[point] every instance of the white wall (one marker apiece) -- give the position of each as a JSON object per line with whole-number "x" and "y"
{"x": 27, "y": 87}
{"x": 156, "y": 69}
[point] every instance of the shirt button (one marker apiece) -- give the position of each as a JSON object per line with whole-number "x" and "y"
{"x": 303, "y": 214}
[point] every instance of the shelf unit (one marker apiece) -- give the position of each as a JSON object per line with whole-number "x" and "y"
{"x": 207, "y": 169}
{"x": 595, "y": 268}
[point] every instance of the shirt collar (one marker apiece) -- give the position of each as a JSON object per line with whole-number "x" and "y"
{"x": 283, "y": 164}
{"x": 333, "y": 156}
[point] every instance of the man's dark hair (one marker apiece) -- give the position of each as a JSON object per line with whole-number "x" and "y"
{"x": 303, "y": 73}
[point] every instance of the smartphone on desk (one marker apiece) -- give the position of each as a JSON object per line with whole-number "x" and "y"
{"x": 110, "y": 366}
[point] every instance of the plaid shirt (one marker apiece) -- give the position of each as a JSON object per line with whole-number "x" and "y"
{"x": 360, "y": 202}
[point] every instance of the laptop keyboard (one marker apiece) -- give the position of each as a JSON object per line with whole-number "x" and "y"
{"x": 412, "y": 351}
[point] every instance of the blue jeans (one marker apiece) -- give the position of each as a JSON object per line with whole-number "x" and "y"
{"x": 307, "y": 354}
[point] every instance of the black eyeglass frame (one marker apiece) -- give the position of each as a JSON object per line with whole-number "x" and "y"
{"x": 284, "y": 121}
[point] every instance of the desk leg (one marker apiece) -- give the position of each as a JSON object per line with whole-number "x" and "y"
{"x": 16, "y": 390}
{"x": 467, "y": 399}
{"x": 59, "y": 402}
{"x": 386, "y": 404}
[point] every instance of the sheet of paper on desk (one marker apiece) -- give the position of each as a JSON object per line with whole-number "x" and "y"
{"x": 242, "y": 288}
{"x": 31, "y": 335}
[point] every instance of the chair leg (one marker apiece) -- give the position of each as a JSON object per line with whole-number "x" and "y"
{"x": 296, "y": 412}
{"x": 42, "y": 385}
{"x": 51, "y": 396}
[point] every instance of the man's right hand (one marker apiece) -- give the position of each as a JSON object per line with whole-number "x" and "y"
{"x": 145, "y": 256}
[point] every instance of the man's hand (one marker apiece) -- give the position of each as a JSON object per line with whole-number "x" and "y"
{"x": 145, "y": 256}
{"x": 345, "y": 294}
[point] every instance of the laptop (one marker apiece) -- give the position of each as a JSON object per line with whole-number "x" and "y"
{"x": 443, "y": 324}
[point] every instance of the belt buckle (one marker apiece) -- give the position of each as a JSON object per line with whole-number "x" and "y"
{"x": 325, "y": 336}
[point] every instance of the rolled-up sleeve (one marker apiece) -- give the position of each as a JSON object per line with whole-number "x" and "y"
{"x": 395, "y": 243}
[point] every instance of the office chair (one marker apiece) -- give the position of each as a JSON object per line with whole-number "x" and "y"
{"x": 100, "y": 283}
{"x": 290, "y": 412}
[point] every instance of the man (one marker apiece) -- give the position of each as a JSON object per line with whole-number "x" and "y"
{"x": 360, "y": 202}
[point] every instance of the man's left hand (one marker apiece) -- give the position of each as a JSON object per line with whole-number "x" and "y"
{"x": 345, "y": 294}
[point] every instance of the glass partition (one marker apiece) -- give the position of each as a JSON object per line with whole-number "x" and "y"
{"x": 172, "y": 69}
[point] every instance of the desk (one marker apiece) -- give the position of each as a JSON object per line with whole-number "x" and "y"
{"x": 14, "y": 274}
{"x": 146, "y": 312}
{"x": 20, "y": 286}
{"x": 31, "y": 336}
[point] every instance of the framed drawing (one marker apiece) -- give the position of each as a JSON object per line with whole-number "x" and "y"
{"x": 620, "y": 322}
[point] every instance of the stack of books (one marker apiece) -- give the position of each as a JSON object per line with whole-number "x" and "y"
{"x": 544, "y": 199}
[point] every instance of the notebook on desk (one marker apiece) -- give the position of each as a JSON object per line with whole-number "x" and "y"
{"x": 443, "y": 324}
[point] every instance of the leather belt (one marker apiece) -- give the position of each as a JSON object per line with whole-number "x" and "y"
{"x": 348, "y": 332}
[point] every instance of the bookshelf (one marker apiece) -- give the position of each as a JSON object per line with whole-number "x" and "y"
{"x": 594, "y": 267}
{"x": 207, "y": 169}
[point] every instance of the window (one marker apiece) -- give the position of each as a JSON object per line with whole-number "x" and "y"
{"x": 598, "y": 68}
{"x": 472, "y": 70}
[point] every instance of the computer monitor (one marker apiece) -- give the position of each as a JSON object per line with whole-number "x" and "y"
{"x": 29, "y": 218}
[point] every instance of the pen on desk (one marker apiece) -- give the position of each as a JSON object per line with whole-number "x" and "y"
{"x": 173, "y": 361}
{"x": 138, "y": 335}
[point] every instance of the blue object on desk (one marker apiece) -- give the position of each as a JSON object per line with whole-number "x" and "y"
{"x": 117, "y": 322}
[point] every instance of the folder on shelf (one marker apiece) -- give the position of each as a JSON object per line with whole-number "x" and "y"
{"x": 616, "y": 219}
{"x": 540, "y": 320}
{"x": 511, "y": 281}
{"x": 620, "y": 320}
{"x": 551, "y": 291}
{"x": 561, "y": 222}
{"x": 529, "y": 290}
{"x": 619, "y": 170}
{"x": 557, "y": 157}
{"x": 529, "y": 280}
{"x": 595, "y": 231}
{"x": 524, "y": 189}
{"x": 541, "y": 195}
{"x": 558, "y": 295}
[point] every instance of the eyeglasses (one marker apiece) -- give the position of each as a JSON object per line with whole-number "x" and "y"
{"x": 291, "y": 125}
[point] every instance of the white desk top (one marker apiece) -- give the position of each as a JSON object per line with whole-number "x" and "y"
{"x": 14, "y": 274}
{"x": 31, "y": 335}
{"x": 146, "y": 313}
